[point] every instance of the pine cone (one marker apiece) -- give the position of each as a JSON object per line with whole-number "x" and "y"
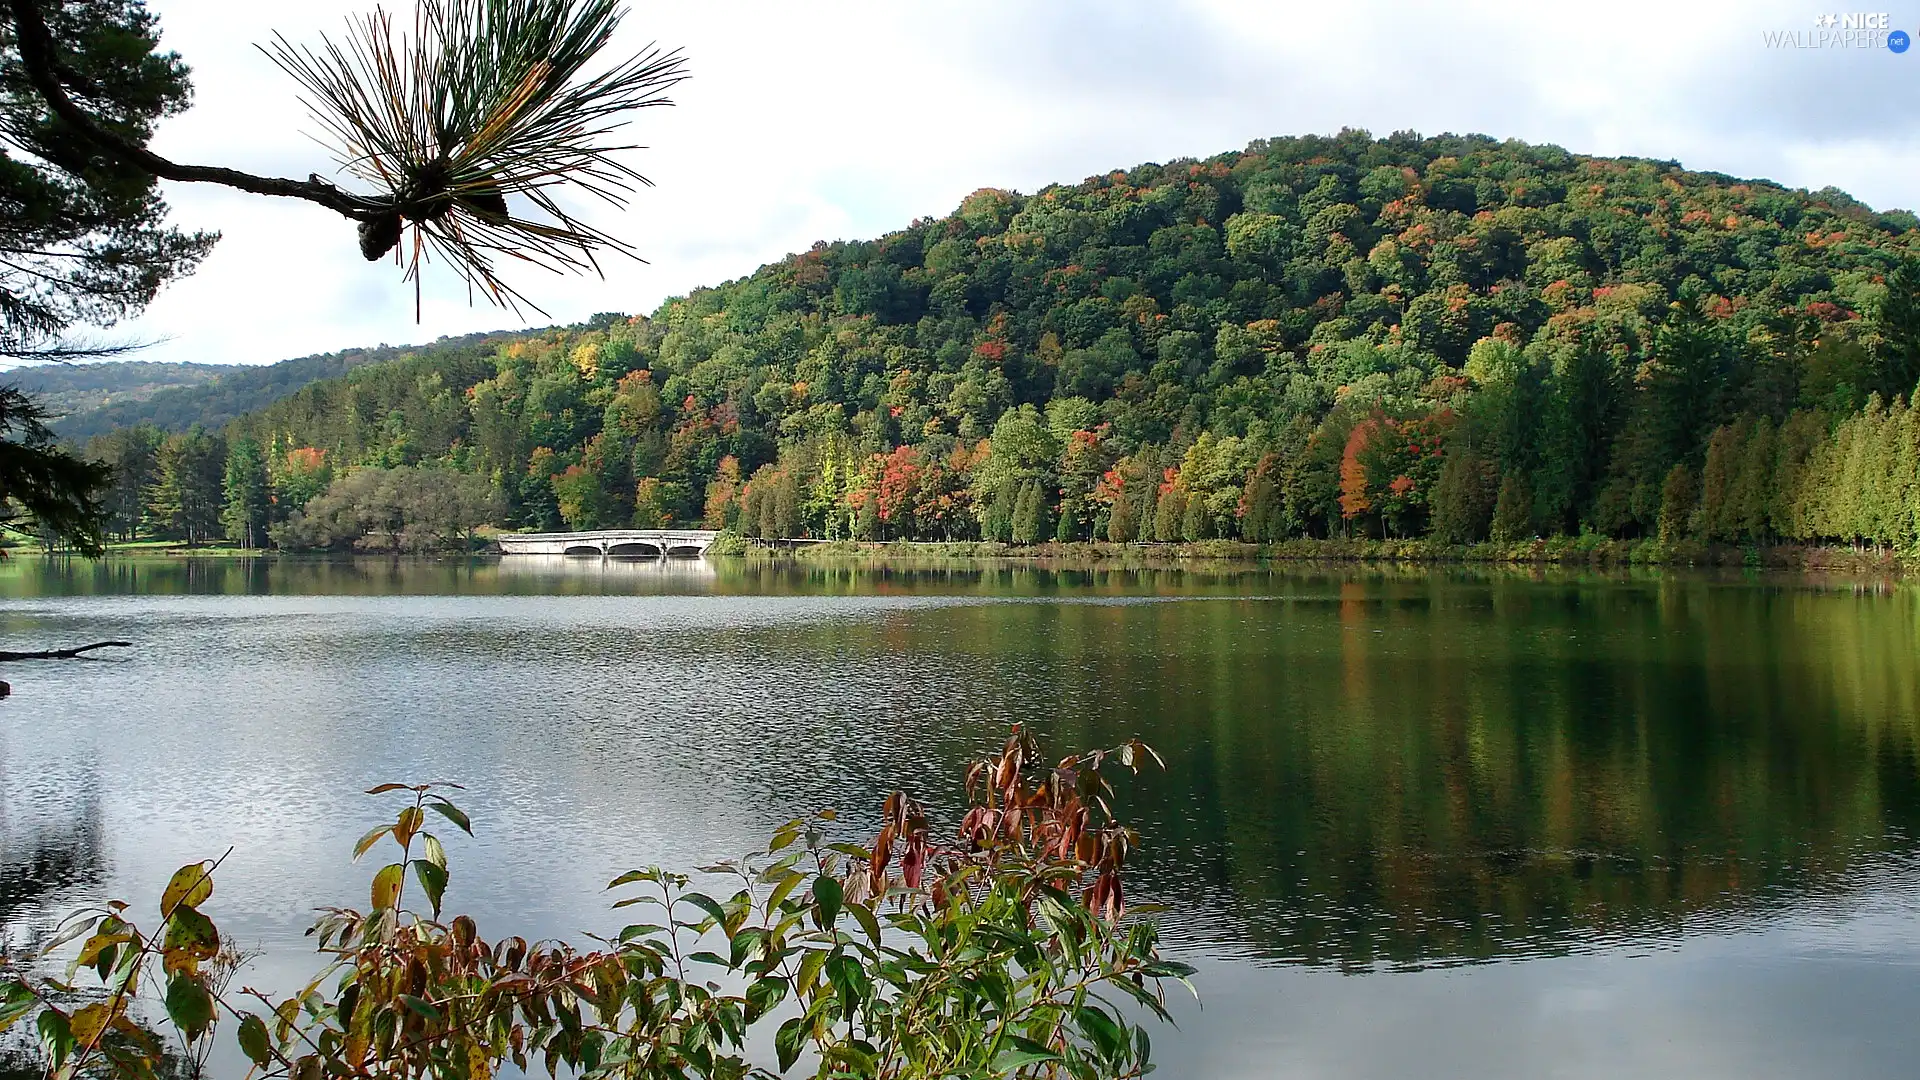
{"x": 378, "y": 235}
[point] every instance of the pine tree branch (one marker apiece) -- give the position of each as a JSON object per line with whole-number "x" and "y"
{"x": 38, "y": 59}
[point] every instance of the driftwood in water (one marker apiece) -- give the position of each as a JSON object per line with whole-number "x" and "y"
{"x": 64, "y": 654}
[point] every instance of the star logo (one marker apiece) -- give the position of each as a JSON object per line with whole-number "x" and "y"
{"x": 1824, "y": 21}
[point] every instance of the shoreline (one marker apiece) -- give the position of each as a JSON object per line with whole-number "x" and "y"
{"x": 1586, "y": 552}
{"x": 1573, "y": 551}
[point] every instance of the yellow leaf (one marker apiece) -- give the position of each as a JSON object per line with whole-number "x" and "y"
{"x": 191, "y": 885}
{"x": 88, "y": 1023}
{"x": 386, "y": 886}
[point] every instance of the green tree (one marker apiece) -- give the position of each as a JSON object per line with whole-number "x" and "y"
{"x": 1679, "y": 503}
{"x": 1030, "y": 517}
{"x": 1170, "y": 512}
{"x": 132, "y": 453}
{"x": 1895, "y": 355}
{"x": 1512, "y": 511}
{"x": 1463, "y": 498}
{"x": 44, "y": 489}
{"x": 247, "y": 493}
{"x": 185, "y": 500}
{"x": 1714, "y": 513}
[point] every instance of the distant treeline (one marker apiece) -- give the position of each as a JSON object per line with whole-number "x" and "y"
{"x": 1448, "y": 337}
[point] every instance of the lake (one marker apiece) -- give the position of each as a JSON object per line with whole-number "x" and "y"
{"x": 1445, "y": 823}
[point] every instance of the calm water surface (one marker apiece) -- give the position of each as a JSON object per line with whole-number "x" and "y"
{"x": 1446, "y": 824}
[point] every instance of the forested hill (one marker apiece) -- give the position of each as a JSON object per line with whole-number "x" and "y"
{"x": 66, "y": 389}
{"x": 1315, "y": 335}
{"x": 96, "y": 398}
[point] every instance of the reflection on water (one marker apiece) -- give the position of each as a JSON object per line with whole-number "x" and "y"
{"x": 655, "y": 572}
{"x": 1681, "y": 800}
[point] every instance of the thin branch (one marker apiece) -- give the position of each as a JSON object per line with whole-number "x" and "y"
{"x": 64, "y": 654}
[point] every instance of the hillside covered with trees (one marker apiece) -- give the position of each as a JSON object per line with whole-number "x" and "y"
{"x": 68, "y": 388}
{"x": 1319, "y": 336}
{"x": 95, "y": 398}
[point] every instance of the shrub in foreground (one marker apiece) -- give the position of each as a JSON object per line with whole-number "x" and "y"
{"x": 998, "y": 952}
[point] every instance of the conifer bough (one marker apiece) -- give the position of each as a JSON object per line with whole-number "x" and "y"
{"x": 479, "y": 103}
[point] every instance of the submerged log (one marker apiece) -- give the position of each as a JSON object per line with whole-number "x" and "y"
{"x": 75, "y": 653}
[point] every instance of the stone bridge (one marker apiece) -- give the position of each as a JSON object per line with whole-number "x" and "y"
{"x": 614, "y": 543}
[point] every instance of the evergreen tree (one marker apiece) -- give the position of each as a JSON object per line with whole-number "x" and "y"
{"x": 133, "y": 456}
{"x": 1512, "y": 511}
{"x": 1120, "y": 522}
{"x": 1068, "y": 529}
{"x": 1196, "y": 523}
{"x": 247, "y": 494}
{"x": 1260, "y": 505}
{"x": 1713, "y": 514}
{"x": 1679, "y": 498}
{"x": 1895, "y": 354}
{"x": 1030, "y": 514}
{"x": 1463, "y": 498}
{"x": 997, "y": 523}
{"x": 185, "y": 498}
{"x": 1169, "y": 513}
{"x": 1749, "y": 504}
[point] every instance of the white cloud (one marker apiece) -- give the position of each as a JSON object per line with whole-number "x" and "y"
{"x": 841, "y": 120}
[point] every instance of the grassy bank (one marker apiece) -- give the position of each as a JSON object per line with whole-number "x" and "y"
{"x": 1593, "y": 551}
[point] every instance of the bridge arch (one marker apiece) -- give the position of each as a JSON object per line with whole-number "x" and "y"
{"x": 611, "y": 543}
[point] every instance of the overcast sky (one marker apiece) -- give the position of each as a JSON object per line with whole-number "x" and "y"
{"x": 820, "y": 120}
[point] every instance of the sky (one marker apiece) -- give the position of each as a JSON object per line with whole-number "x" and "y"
{"x": 825, "y": 120}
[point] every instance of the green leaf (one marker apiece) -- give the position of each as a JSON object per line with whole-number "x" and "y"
{"x": 1167, "y": 969}
{"x": 433, "y": 879}
{"x": 386, "y": 886}
{"x": 56, "y": 1034}
{"x": 420, "y": 1005}
{"x": 1101, "y": 1031}
{"x": 863, "y": 915}
{"x": 764, "y": 996}
{"x": 631, "y": 876}
{"x": 16, "y": 1001}
{"x": 827, "y": 897}
{"x": 253, "y": 1040}
{"x": 709, "y": 905}
{"x": 1020, "y": 1053}
{"x": 371, "y": 838}
{"x": 452, "y": 813}
{"x": 432, "y": 851}
{"x": 788, "y": 1041}
{"x": 189, "y": 1006}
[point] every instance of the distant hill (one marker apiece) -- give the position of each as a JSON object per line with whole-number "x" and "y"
{"x": 74, "y": 388}
{"x": 101, "y": 397}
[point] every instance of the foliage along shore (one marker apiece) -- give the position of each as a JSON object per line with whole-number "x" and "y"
{"x": 1588, "y": 550}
